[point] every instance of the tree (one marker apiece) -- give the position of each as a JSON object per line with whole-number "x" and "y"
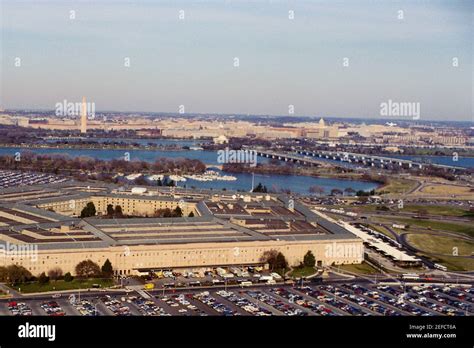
{"x": 281, "y": 262}
{"x": 309, "y": 260}
{"x": 110, "y": 210}
{"x": 260, "y": 188}
{"x": 68, "y": 277}
{"x": 118, "y": 211}
{"x": 43, "y": 279}
{"x": 89, "y": 210}
{"x": 275, "y": 259}
{"x": 269, "y": 257}
{"x": 178, "y": 212}
{"x": 87, "y": 269}
{"x": 107, "y": 269}
{"x": 3, "y": 274}
{"x": 349, "y": 191}
{"x": 191, "y": 214}
{"x": 55, "y": 273}
{"x": 17, "y": 274}
{"x": 336, "y": 192}
{"x": 316, "y": 189}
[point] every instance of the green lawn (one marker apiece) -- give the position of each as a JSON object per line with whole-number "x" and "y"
{"x": 62, "y": 285}
{"x": 437, "y": 225}
{"x": 438, "y": 210}
{"x": 445, "y": 245}
{"x": 454, "y": 263}
{"x": 302, "y": 272}
{"x": 397, "y": 185}
{"x": 363, "y": 268}
{"x": 440, "y": 244}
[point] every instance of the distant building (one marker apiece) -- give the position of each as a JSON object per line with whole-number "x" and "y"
{"x": 392, "y": 149}
{"x": 84, "y": 116}
{"x": 221, "y": 139}
{"x": 22, "y": 122}
{"x": 449, "y": 140}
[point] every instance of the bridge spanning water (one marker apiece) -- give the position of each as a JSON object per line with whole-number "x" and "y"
{"x": 311, "y": 158}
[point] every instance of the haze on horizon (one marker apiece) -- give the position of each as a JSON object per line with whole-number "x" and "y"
{"x": 283, "y": 62}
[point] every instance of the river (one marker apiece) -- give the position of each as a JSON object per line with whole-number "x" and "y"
{"x": 274, "y": 182}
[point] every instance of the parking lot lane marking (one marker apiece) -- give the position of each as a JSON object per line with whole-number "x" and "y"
{"x": 281, "y": 298}
{"x": 205, "y": 308}
{"x": 229, "y": 304}
{"x": 161, "y": 303}
{"x": 355, "y": 304}
{"x": 261, "y": 303}
{"x": 314, "y": 299}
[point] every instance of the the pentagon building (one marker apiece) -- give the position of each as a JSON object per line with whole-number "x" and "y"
{"x": 40, "y": 228}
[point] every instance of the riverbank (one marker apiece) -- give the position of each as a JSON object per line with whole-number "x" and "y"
{"x": 132, "y": 162}
{"x": 97, "y": 146}
{"x": 314, "y": 172}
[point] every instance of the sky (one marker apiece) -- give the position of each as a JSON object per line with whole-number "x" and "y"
{"x": 399, "y": 56}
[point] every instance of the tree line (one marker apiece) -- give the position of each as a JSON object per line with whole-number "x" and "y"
{"x": 16, "y": 274}
{"x": 67, "y": 165}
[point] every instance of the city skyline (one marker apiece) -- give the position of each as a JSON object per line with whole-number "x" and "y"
{"x": 280, "y": 59}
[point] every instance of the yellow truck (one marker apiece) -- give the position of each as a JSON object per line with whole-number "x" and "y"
{"x": 149, "y": 286}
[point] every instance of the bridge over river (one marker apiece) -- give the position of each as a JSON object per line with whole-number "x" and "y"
{"x": 314, "y": 158}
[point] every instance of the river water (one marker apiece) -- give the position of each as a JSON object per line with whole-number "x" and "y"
{"x": 274, "y": 182}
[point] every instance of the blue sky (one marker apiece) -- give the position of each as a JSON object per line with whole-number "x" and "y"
{"x": 190, "y": 62}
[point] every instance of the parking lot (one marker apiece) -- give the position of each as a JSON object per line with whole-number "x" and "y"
{"x": 211, "y": 276}
{"x": 11, "y": 178}
{"x": 308, "y": 300}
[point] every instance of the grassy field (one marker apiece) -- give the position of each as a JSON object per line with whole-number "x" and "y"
{"x": 445, "y": 245}
{"x": 454, "y": 263}
{"x": 62, "y": 285}
{"x": 436, "y": 225}
{"x": 397, "y": 185}
{"x": 448, "y": 190}
{"x": 302, "y": 272}
{"x": 438, "y": 210}
{"x": 363, "y": 268}
{"x": 369, "y": 208}
{"x": 440, "y": 244}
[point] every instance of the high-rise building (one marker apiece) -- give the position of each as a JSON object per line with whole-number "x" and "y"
{"x": 84, "y": 116}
